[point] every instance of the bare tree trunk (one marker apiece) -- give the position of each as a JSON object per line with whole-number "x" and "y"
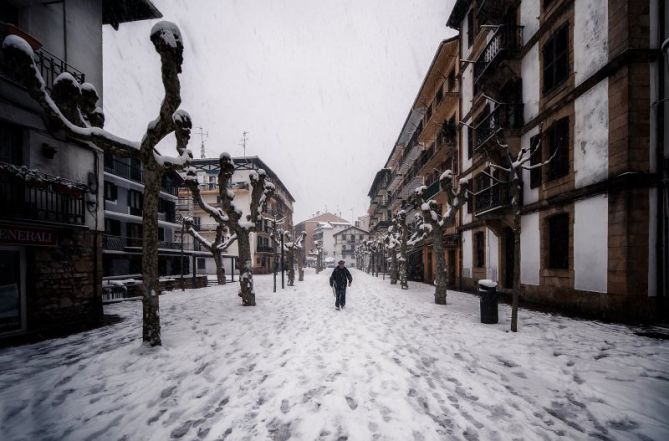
{"x": 220, "y": 269}
{"x": 393, "y": 267}
{"x": 290, "y": 254}
{"x": 441, "y": 277}
{"x": 245, "y": 267}
{"x": 403, "y": 259}
{"x": 150, "y": 285}
{"x": 300, "y": 266}
{"x": 515, "y": 295}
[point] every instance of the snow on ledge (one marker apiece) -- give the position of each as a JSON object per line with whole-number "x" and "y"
{"x": 487, "y": 283}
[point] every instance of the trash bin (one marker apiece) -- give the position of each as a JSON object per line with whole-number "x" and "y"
{"x": 488, "y": 294}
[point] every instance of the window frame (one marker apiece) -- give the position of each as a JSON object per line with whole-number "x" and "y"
{"x": 479, "y": 253}
{"x": 551, "y": 58}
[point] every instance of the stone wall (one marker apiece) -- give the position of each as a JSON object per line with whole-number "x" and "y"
{"x": 63, "y": 283}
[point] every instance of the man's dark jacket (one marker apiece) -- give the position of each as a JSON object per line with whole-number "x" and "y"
{"x": 339, "y": 277}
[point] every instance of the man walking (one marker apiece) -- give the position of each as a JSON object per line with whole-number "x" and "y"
{"x": 338, "y": 281}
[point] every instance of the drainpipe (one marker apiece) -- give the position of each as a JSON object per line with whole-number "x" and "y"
{"x": 661, "y": 222}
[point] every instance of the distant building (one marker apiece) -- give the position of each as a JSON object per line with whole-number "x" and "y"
{"x": 324, "y": 235}
{"x": 308, "y": 226}
{"x": 346, "y": 241}
{"x": 279, "y": 207}
{"x": 51, "y": 188}
{"x": 362, "y": 222}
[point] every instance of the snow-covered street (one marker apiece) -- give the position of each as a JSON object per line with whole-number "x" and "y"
{"x": 391, "y": 366}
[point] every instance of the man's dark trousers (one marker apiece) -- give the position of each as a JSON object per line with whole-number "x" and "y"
{"x": 341, "y": 297}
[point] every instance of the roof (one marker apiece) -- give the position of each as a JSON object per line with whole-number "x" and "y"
{"x": 458, "y": 13}
{"x": 377, "y": 179}
{"x": 242, "y": 163}
{"x": 123, "y": 11}
{"x": 325, "y": 217}
{"x": 351, "y": 228}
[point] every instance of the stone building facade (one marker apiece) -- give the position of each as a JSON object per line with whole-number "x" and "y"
{"x": 51, "y": 188}
{"x": 580, "y": 78}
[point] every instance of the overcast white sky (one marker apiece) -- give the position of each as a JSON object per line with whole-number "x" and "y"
{"x": 322, "y": 86}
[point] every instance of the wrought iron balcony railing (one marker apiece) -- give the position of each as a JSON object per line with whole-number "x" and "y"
{"x": 124, "y": 170}
{"x": 51, "y": 66}
{"x": 432, "y": 189}
{"x": 29, "y": 194}
{"x": 491, "y": 198}
{"x": 506, "y": 41}
{"x": 503, "y": 117}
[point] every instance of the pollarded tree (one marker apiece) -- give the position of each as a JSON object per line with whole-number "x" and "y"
{"x": 292, "y": 249}
{"x": 431, "y": 223}
{"x": 233, "y": 218}
{"x": 222, "y": 242}
{"x": 71, "y": 109}
{"x": 392, "y": 244}
{"x": 512, "y": 174}
{"x": 400, "y": 224}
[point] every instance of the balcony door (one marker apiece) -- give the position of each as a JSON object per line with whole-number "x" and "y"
{"x": 12, "y": 290}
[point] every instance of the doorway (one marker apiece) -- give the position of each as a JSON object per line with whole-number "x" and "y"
{"x": 12, "y": 290}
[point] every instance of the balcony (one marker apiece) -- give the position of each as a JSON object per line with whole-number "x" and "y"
{"x": 432, "y": 189}
{"x": 505, "y": 43}
{"x": 503, "y": 117}
{"x": 135, "y": 173}
{"x": 492, "y": 198}
{"x": 29, "y": 194}
{"x": 51, "y": 66}
{"x": 124, "y": 170}
{"x": 118, "y": 243}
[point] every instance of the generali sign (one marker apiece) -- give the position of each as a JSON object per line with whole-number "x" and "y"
{"x": 10, "y": 235}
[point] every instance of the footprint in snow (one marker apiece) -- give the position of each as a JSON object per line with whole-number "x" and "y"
{"x": 352, "y": 403}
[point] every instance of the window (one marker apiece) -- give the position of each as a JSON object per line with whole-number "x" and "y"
{"x": 558, "y": 241}
{"x": 556, "y": 59}
{"x": 111, "y": 191}
{"x": 451, "y": 81}
{"x": 470, "y": 27}
{"x": 557, "y": 138}
{"x": 201, "y": 265}
{"x": 536, "y": 158}
{"x": 135, "y": 202}
{"x": 112, "y": 227}
{"x": 470, "y": 142}
{"x": 11, "y": 140}
{"x": 479, "y": 249}
{"x": 440, "y": 94}
{"x": 134, "y": 230}
{"x": 109, "y": 161}
{"x": 161, "y": 234}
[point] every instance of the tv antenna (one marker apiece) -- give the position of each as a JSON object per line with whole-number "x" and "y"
{"x": 203, "y": 135}
{"x": 245, "y": 138}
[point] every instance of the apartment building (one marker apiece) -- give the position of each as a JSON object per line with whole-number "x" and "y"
{"x": 325, "y": 236}
{"x": 581, "y": 79}
{"x": 309, "y": 226}
{"x": 123, "y": 209}
{"x": 51, "y": 187}
{"x": 427, "y": 145}
{"x": 346, "y": 241}
{"x": 279, "y": 209}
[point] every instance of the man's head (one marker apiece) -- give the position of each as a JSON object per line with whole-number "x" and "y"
{"x": 341, "y": 263}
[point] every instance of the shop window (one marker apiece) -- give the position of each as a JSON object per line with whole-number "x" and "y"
{"x": 111, "y": 191}
{"x": 556, "y": 59}
{"x": 557, "y": 138}
{"x": 10, "y": 290}
{"x": 479, "y": 249}
{"x": 558, "y": 241}
{"x": 536, "y": 158}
